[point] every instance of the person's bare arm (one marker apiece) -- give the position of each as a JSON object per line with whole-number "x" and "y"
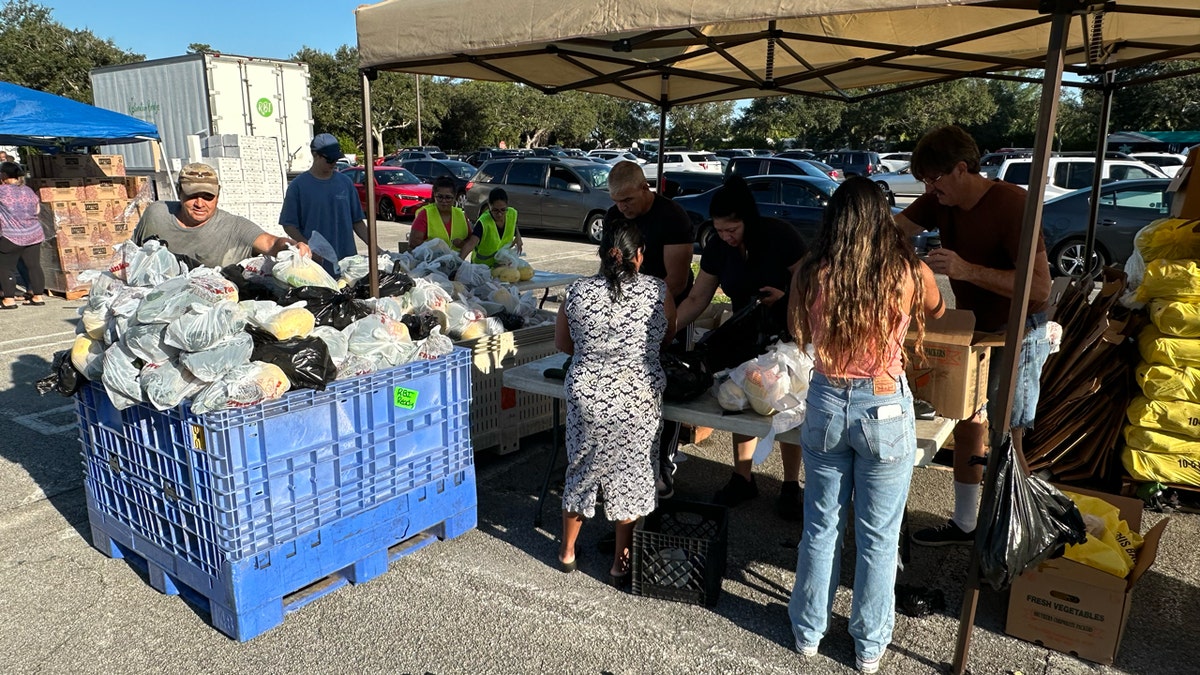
{"x": 271, "y": 245}
{"x": 415, "y": 238}
{"x": 1000, "y": 282}
{"x": 908, "y": 227}
{"x": 294, "y": 233}
{"x": 468, "y": 246}
{"x": 672, "y": 317}
{"x": 935, "y": 304}
{"x": 678, "y": 260}
{"x": 562, "y": 332}
{"x": 697, "y": 300}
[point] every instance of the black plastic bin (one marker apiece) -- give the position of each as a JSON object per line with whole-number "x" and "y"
{"x": 679, "y": 552}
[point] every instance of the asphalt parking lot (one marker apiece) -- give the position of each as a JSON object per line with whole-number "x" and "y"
{"x": 492, "y": 600}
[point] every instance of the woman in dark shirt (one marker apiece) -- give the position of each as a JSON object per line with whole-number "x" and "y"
{"x": 752, "y": 257}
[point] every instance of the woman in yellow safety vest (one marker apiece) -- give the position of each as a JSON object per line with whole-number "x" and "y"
{"x": 430, "y": 221}
{"x": 495, "y": 229}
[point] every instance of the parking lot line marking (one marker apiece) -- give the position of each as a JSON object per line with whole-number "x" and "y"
{"x": 31, "y": 348}
{"x": 35, "y": 337}
{"x": 35, "y": 422}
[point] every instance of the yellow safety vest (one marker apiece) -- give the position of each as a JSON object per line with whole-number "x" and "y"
{"x": 436, "y": 229}
{"x": 492, "y": 241}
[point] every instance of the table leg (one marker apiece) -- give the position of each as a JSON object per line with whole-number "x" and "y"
{"x": 545, "y": 295}
{"x": 555, "y": 431}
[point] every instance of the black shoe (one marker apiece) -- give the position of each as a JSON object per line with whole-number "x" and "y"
{"x": 946, "y": 535}
{"x": 736, "y": 491}
{"x": 666, "y": 486}
{"x": 790, "y": 505}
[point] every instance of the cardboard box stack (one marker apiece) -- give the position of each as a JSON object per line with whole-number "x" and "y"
{"x": 1162, "y": 441}
{"x": 90, "y": 206}
{"x": 252, "y": 176}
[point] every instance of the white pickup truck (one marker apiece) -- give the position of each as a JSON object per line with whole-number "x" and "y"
{"x": 1067, "y": 174}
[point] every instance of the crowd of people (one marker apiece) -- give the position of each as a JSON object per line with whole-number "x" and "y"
{"x": 854, "y": 296}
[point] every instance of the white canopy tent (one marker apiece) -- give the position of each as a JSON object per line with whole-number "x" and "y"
{"x": 675, "y": 53}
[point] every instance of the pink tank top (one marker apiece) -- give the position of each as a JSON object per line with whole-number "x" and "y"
{"x": 864, "y": 364}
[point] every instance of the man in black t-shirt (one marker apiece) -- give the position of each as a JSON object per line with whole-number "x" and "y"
{"x": 664, "y": 225}
{"x": 668, "y": 235}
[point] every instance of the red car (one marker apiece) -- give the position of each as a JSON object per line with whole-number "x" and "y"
{"x": 399, "y": 192}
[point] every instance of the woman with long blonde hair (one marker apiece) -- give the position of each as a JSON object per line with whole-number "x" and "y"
{"x": 854, "y": 297}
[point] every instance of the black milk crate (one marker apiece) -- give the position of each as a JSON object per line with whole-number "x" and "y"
{"x": 679, "y": 552}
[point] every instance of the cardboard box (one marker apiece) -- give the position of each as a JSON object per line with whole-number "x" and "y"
{"x": 138, "y": 187}
{"x": 82, "y": 166}
{"x": 1076, "y": 609}
{"x": 954, "y": 376}
{"x": 1186, "y": 188}
{"x": 57, "y": 189}
{"x": 66, "y": 213}
{"x": 104, "y": 188}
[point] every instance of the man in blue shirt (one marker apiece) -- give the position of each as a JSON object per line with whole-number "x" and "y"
{"x": 325, "y": 201}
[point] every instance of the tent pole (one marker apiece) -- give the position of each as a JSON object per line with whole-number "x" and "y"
{"x": 1031, "y": 223}
{"x": 664, "y": 106}
{"x": 369, "y": 179}
{"x": 1089, "y": 246}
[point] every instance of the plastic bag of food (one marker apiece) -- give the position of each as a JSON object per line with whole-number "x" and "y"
{"x": 527, "y": 305}
{"x": 93, "y": 322}
{"x": 1167, "y": 350}
{"x": 1170, "y": 239}
{"x": 1160, "y": 456}
{"x": 104, "y": 288}
{"x": 472, "y": 275}
{"x": 335, "y": 342}
{"x": 508, "y": 256}
{"x": 87, "y": 355}
{"x": 304, "y": 360}
{"x": 506, "y": 274}
{"x": 243, "y": 386}
{"x": 435, "y": 345}
{"x": 473, "y": 330}
{"x": 1111, "y": 546}
{"x": 165, "y": 385}
{"x": 395, "y": 308}
{"x": 731, "y": 396}
{"x": 127, "y": 301}
{"x": 1173, "y": 416}
{"x": 1170, "y": 278}
{"x": 281, "y": 322}
{"x": 329, "y": 308}
{"x": 169, "y": 300}
{"x": 145, "y": 341}
{"x": 202, "y": 326}
{"x": 458, "y": 317}
{"x": 121, "y": 377}
{"x": 210, "y": 364}
{"x": 428, "y": 297}
{"x": 525, "y": 270}
{"x": 1173, "y": 317}
{"x": 1164, "y": 383}
{"x": 431, "y": 249}
{"x": 63, "y": 378}
{"x": 419, "y": 325}
{"x": 257, "y": 266}
{"x": 510, "y": 300}
{"x": 297, "y": 271}
{"x": 382, "y": 339}
{"x": 355, "y": 267}
{"x": 147, "y": 265}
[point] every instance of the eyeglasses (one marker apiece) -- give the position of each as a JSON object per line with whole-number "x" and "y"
{"x": 444, "y": 197}
{"x": 929, "y": 182}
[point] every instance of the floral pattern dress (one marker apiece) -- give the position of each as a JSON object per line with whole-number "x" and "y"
{"x": 614, "y": 396}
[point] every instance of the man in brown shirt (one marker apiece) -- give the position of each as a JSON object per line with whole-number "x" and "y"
{"x": 980, "y": 225}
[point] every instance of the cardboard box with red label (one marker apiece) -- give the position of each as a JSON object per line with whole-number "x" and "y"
{"x": 954, "y": 376}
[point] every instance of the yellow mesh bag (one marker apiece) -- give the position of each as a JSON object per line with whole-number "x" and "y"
{"x": 1176, "y": 317}
{"x": 1167, "y": 278}
{"x": 1167, "y": 350}
{"x": 1177, "y": 417}
{"x": 1170, "y": 239}
{"x": 1164, "y": 383}
{"x": 1151, "y": 455}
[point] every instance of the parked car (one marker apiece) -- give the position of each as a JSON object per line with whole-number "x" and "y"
{"x": 614, "y": 156}
{"x": 549, "y": 193}
{"x": 758, "y": 166}
{"x": 763, "y": 152}
{"x": 990, "y": 163}
{"x": 429, "y": 170}
{"x": 1066, "y": 174}
{"x": 900, "y": 183}
{"x": 895, "y": 161}
{"x": 682, "y": 183}
{"x": 400, "y": 193}
{"x": 734, "y": 152}
{"x": 853, "y": 162}
{"x": 799, "y": 200}
{"x": 1125, "y": 207}
{"x": 796, "y": 154}
{"x": 683, "y": 161}
{"x": 1168, "y": 163}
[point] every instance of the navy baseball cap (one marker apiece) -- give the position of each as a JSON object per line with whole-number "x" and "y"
{"x": 327, "y": 146}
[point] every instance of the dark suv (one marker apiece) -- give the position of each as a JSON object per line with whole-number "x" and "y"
{"x": 853, "y": 162}
{"x": 551, "y": 193}
{"x": 429, "y": 170}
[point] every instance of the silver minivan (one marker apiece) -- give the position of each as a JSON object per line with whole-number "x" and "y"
{"x": 556, "y": 193}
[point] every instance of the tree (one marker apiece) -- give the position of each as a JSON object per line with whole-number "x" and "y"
{"x": 903, "y": 117}
{"x": 770, "y": 120}
{"x": 40, "y": 53}
{"x": 701, "y": 124}
{"x": 1167, "y": 105}
{"x": 199, "y": 48}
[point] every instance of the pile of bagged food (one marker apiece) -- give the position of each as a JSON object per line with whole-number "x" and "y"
{"x": 156, "y": 332}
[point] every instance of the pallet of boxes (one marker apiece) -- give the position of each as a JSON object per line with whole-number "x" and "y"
{"x": 89, "y": 206}
{"x": 252, "y": 177}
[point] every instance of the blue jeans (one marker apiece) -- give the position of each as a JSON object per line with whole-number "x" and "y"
{"x": 1035, "y": 347}
{"x": 849, "y": 451}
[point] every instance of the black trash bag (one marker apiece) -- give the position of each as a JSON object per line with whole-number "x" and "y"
{"x": 744, "y": 336}
{"x": 256, "y": 288}
{"x": 558, "y": 374}
{"x": 918, "y": 602}
{"x": 305, "y": 360}
{"x": 1028, "y": 521}
{"x": 63, "y": 377}
{"x": 331, "y": 308}
{"x": 391, "y": 284}
{"x": 686, "y": 377}
{"x": 511, "y": 321}
{"x": 419, "y": 325}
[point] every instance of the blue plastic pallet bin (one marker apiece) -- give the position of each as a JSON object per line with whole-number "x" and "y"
{"x": 237, "y": 482}
{"x": 249, "y": 596}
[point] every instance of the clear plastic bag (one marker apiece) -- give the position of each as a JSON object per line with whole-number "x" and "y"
{"x": 435, "y": 345}
{"x": 296, "y": 271}
{"x": 426, "y": 296}
{"x": 203, "y": 327}
{"x": 87, "y": 355}
{"x": 281, "y": 322}
{"x": 459, "y": 316}
{"x": 356, "y": 267}
{"x": 382, "y": 339}
{"x": 431, "y": 250}
{"x": 165, "y": 385}
{"x": 335, "y": 340}
{"x": 121, "y": 377}
{"x": 210, "y": 364}
{"x": 145, "y": 341}
{"x": 171, "y": 299}
{"x": 146, "y": 265}
{"x": 354, "y": 366}
{"x": 472, "y": 275}
{"x": 507, "y": 297}
{"x": 245, "y": 385}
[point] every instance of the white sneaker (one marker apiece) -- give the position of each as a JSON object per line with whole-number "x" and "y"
{"x": 867, "y": 665}
{"x": 807, "y": 651}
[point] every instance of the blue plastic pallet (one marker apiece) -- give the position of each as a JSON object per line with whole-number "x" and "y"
{"x": 250, "y": 596}
{"x": 240, "y": 481}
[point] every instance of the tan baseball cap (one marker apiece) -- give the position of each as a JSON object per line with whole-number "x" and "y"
{"x": 198, "y": 178}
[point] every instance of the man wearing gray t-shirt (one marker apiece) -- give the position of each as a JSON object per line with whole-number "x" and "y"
{"x": 199, "y": 233}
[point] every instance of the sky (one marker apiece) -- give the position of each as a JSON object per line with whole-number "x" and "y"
{"x": 263, "y": 28}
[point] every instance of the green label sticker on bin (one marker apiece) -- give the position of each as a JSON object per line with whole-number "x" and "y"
{"x": 406, "y": 398}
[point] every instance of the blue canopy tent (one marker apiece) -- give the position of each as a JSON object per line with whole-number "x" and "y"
{"x": 30, "y": 117}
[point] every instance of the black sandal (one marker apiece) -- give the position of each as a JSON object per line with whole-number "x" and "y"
{"x": 35, "y": 303}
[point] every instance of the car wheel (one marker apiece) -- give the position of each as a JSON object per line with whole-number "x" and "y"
{"x": 461, "y": 201}
{"x": 593, "y": 227}
{"x": 386, "y": 210}
{"x": 1067, "y": 258}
